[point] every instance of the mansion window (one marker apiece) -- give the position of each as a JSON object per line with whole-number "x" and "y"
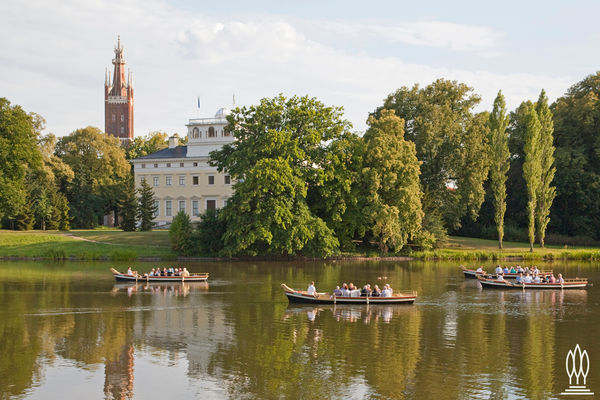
{"x": 142, "y": 179}
{"x": 181, "y": 165}
{"x": 169, "y": 180}
{"x": 168, "y": 208}
{"x": 155, "y": 165}
{"x": 195, "y": 133}
{"x": 122, "y": 129}
{"x": 143, "y": 165}
{"x": 182, "y": 180}
{"x": 155, "y": 180}
{"x": 211, "y": 179}
{"x": 211, "y": 132}
{"x": 168, "y": 165}
{"x": 211, "y": 204}
{"x": 195, "y": 180}
{"x": 181, "y": 205}
{"x": 195, "y": 212}
{"x": 227, "y": 180}
{"x": 156, "y": 208}
{"x": 195, "y": 164}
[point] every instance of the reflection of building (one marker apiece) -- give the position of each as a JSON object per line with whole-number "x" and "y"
{"x": 118, "y": 100}
{"x": 118, "y": 375}
{"x": 180, "y": 175}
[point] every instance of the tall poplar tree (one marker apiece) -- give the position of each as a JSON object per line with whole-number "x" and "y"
{"x": 499, "y": 161}
{"x": 532, "y": 168}
{"x": 546, "y": 193}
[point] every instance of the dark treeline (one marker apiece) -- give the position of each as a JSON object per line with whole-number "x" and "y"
{"x": 428, "y": 165}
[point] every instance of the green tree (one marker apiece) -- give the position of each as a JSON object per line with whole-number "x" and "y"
{"x": 143, "y": 145}
{"x": 546, "y": 192}
{"x": 277, "y": 162}
{"x": 499, "y": 161}
{"x": 147, "y": 207}
{"x": 392, "y": 196}
{"x": 18, "y": 154}
{"x": 449, "y": 138}
{"x": 209, "y": 233}
{"x": 100, "y": 168}
{"x": 532, "y": 169}
{"x": 129, "y": 206}
{"x": 181, "y": 234}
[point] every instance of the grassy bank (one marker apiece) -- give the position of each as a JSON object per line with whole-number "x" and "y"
{"x": 473, "y": 249}
{"x": 85, "y": 245}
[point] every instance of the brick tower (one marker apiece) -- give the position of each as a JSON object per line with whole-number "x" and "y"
{"x": 118, "y": 100}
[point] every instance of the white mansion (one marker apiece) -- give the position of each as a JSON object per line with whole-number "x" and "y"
{"x": 180, "y": 175}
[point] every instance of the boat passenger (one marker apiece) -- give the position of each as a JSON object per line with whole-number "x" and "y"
{"x": 164, "y": 272}
{"x": 345, "y": 291}
{"x": 129, "y": 271}
{"x": 527, "y": 278}
{"x": 520, "y": 269}
{"x": 337, "y": 291}
{"x": 513, "y": 270}
{"x": 376, "y": 291}
{"x": 152, "y": 272}
{"x": 385, "y": 292}
{"x": 498, "y": 270}
{"x": 560, "y": 279}
{"x": 535, "y": 270}
{"x": 180, "y": 271}
{"x": 500, "y": 277}
{"x": 312, "y": 290}
{"x": 505, "y": 270}
{"x": 389, "y": 288}
{"x": 351, "y": 287}
{"x": 537, "y": 279}
{"x": 519, "y": 278}
{"x": 366, "y": 290}
{"x": 480, "y": 269}
{"x": 552, "y": 279}
{"x": 185, "y": 272}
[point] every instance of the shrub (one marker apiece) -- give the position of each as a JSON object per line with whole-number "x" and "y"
{"x": 181, "y": 234}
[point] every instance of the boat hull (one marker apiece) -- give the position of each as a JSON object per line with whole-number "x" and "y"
{"x": 299, "y": 297}
{"x": 494, "y": 284}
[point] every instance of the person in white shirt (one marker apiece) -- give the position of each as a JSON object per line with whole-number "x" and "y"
{"x": 536, "y": 270}
{"x": 389, "y": 288}
{"x": 129, "y": 271}
{"x": 479, "y": 270}
{"x": 527, "y": 278}
{"x": 560, "y": 279}
{"x": 498, "y": 270}
{"x": 500, "y": 277}
{"x": 312, "y": 291}
{"x": 519, "y": 278}
{"x": 385, "y": 292}
{"x": 537, "y": 279}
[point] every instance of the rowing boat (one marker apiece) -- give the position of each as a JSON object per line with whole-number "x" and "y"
{"x": 120, "y": 277}
{"x": 473, "y": 274}
{"x": 299, "y": 296}
{"x": 576, "y": 283}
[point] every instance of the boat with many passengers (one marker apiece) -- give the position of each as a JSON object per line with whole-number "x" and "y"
{"x": 300, "y": 296}
{"x": 473, "y": 274}
{"x": 576, "y": 283}
{"x": 135, "y": 277}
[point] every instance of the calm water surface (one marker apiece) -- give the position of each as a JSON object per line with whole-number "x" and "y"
{"x": 67, "y": 331}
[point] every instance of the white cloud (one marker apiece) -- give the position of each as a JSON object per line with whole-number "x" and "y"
{"x": 54, "y": 55}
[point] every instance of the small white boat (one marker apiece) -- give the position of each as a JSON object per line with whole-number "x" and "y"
{"x": 576, "y": 283}
{"x": 299, "y": 296}
{"x": 200, "y": 277}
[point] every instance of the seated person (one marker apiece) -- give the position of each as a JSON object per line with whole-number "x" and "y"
{"x": 129, "y": 271}
{"x": 312, "y": 290}
{"x": 552, "y": 279}
{"x": 479, "y": 270}
{"x": 376, "y": 291}
{"x": 536, "y": 270}
{"x": 185, "y": 272}
{"x": 345, "y": 291}
{"x": 560, "y": 279}
{"x": 513, "y": 270}
{"x": 337, "y": 292}
{"x": 366, "y": 291}
{"x": 537, "y": 279}
{"x": 527, "y": 278}
{"x": 151, "y": 272}
{"x": 389, "y": 288}
{"x": 385, "y": 292}
{"x": 498, "y": 270}
{"x": 505, "y": 270}
{"x": 519, "y": 278}
{"x": 500, "y": 277}
{"x": 163, "y": 272}
{"x": 520, "y": 269}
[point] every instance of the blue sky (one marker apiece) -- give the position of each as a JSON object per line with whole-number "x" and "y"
{"x": 349, "y": 54}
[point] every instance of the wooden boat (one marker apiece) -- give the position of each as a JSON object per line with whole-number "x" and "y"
{"x": 576, "y": 283}
{"x": 299, "y": 296}
{"x": 473, "y": 274}
{"x": 201, "y": 277}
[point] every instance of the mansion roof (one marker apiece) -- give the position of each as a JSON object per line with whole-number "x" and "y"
{"x": 175, "y": 152}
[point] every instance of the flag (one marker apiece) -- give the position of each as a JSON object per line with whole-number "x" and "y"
{"x": 198, "y": 101}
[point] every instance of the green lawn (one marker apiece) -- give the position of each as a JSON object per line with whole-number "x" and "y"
{"x": 108, "y": 244}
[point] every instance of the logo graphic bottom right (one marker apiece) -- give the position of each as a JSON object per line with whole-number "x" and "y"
{"x": 577, "y": 364}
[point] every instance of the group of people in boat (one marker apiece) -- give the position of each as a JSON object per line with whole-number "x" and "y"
{"x": 349, "y": 290}
{"x": 517, "y": 269}
{"x": 535, "y": 278}
{"x": 163, "y": 272}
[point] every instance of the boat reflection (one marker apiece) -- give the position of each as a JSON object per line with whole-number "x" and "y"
{"x": 176, "y": 289}
{"x": 350, "y": 313}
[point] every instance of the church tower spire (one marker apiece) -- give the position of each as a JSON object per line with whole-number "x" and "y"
{"x": 118, "y": 99}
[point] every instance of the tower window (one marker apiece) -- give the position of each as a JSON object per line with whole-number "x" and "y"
{"x": 122, "y": 117}
{"x": 114, "y": 118}
{"x": 195, "y": 133}
{"x": 122, "y": 129}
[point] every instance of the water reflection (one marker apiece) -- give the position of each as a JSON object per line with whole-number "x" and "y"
{"x": 239, "y": 338}
{"x": 156, "y": 288}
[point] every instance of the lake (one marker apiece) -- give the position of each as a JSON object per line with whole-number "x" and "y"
{"x": 68, "y": 331}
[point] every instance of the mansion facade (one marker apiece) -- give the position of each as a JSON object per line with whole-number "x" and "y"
{"x": 181, "y": 177}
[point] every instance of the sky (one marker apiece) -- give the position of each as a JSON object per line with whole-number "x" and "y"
{"x": 345, "y": 53}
